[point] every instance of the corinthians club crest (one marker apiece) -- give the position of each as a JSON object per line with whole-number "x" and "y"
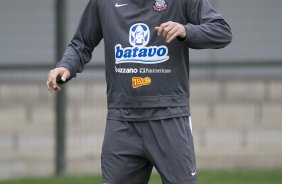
{"x": 159, "y": 5}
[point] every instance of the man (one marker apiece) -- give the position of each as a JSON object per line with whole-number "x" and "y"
{"x": 147, "y": 73}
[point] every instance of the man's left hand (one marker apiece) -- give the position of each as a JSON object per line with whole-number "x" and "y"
{"x": 170, "y": 30}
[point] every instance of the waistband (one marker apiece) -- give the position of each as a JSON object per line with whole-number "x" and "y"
{"x": 147, "y": 101}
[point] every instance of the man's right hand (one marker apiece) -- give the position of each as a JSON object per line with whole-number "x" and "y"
{"x": 56, "y": 74}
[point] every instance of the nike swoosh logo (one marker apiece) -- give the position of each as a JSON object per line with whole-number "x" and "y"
{"x": 120, "y": 5}
{"x": 193, "y": 173}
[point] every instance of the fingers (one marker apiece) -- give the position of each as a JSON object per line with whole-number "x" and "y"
{"x": 65, "y": 76}
{"x": 173, "y": 36}
{"x": 162, "y": 27}
{"x": 170, "y": 30}
{"x": 167, "y": 29}
{"x": 55, "y": 74}
{"x": 49, "y": 85}
{"x": 54, "y": 84}
{"x": 169, "y": 34}
{"x": 52, "y": 80}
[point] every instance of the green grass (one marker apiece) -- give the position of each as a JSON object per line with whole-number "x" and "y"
{"x": 204, "y": 177}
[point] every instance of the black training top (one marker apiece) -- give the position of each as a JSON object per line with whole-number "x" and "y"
{"x": 143, "y": 72}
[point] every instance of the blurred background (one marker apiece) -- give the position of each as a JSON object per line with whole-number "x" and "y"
{"x": 236, "y": 92}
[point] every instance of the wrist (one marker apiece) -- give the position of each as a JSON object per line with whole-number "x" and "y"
{"x": 183, "y": 32}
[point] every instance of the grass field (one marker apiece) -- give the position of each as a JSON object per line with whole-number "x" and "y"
{"x": 204, "y": 177}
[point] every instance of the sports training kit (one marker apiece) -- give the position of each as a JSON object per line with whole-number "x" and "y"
{"x": 147, "y": 82}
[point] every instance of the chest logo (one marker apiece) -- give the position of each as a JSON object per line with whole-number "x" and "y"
{"x": 139, "y": 37}
{"x": 160, "y": 5}
{"x": 120, "y": 5}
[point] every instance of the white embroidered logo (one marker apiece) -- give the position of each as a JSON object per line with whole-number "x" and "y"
{"x": 120, "y": 5}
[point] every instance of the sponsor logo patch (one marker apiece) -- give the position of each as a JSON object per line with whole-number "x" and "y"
{"x": 139, "y": 37}
{"x": 140, "y": 81}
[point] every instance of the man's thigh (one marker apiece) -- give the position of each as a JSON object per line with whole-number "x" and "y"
{"x": 123, "y": 159}
{"x": 169, "y": 145}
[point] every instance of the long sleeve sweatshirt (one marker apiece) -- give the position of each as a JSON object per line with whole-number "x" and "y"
{"x": 142, "y": 70}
